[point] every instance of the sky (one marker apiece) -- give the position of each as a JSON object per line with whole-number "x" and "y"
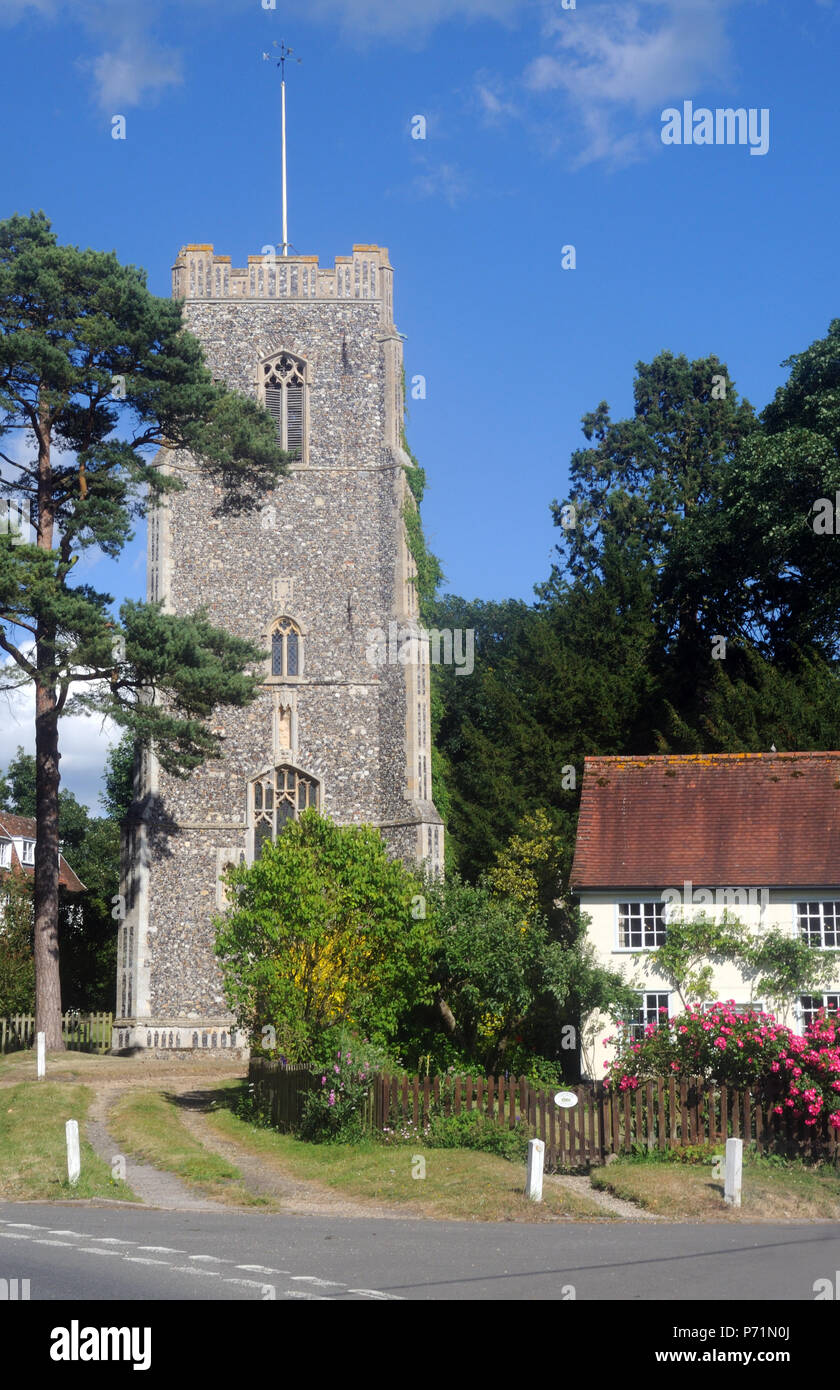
{"x": 543, "y": 130}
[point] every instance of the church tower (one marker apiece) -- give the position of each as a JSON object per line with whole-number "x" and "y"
{"x": 310, "y": 579}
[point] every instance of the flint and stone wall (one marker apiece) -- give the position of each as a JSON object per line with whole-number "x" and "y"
{"x": 328, "y": 551}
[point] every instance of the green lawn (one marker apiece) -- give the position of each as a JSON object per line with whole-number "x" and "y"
{"x": 770, "y": 1192}
{"x": 33, "y": 1153}
{"x": 147, "y": 1125}
{"x": 459, "y": 1184}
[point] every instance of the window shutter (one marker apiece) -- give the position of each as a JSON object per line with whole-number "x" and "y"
{"x": 274, "y": 406}
{"x": 294, "y": 416}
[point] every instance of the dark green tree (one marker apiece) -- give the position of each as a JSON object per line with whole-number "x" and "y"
{"x": 87, "y": 926}
{"x": 96, "y": 375}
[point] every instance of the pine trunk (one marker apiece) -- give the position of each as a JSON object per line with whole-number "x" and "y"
{"x": 47, "y": 978}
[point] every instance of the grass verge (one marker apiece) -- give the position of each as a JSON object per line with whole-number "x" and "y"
{"x": 33, "y": 1152}
{"x": 147, "y": 1125}
{"x": 771, "y": 1191}
{"x": 458, "y": 1184}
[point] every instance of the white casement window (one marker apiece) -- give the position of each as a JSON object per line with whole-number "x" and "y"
{"x": 654, "y": 1008}
{"x": 641, "y": 926}
{"x": 810, "y": 1005}
{"x": 5, "y": 854}
{"x": 28, "y": 855}
{"x": 284, "y": 393}
{"x": 819, "y": 924}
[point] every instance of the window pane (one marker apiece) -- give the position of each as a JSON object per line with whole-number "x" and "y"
{"x": 262, "y": 835}
{"x": 292, "y": 655}
{"x": 277, "y": 654}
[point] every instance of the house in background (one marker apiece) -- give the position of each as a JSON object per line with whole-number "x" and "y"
{"x": 759, "y": 831}
{"x": 17, "y": 853}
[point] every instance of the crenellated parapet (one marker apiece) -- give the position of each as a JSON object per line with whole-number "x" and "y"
{"x": 198, "y": 273}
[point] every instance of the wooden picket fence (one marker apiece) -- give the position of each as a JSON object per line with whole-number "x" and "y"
{"x": 81, "y": 1032}
{"x": 659, "y": 1115}
{"x": 280, "y": 1091}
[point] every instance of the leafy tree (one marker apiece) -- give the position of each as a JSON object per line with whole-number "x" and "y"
{"x": 95, "y": 375}
{"x": 17, "y": 964}
{"x": 119, "y": 779}
{"x": 505, "y": 991}
{"x": 780, "y": 966}
{"x": 693, "y": 946}
{"x": 320, "y": 933}
{"x": 642, "y": 477}
{"x": 528, "y": 870}
{"x": 784, "y": 967}
{"x": 17, "y": 788}
{"x": 87, "y": 928}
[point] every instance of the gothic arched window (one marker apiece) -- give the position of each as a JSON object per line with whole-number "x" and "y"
{"x": 286, "y": 649}
{"x": 277, "y": 797}
{"x": 284, "y": 385}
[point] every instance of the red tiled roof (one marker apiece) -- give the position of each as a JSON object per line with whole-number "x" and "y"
{"x": 24, "y": 827}
{"x": 718, "y": 819}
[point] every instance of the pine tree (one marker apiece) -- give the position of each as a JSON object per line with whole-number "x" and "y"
{"x": 96, "y": 376}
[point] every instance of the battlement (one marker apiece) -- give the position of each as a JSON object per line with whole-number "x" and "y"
{"x": 200, "y": 274}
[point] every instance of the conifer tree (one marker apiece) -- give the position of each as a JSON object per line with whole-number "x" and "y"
{"x": 96, "y": 377}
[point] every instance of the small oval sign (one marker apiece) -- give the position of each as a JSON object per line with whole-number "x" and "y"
{"x": 565, "y": 1099}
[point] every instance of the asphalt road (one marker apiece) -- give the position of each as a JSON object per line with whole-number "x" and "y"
{"x": 100, "y": 1253}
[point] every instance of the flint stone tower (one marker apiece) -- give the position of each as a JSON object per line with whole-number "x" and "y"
{"x": 309, "y": 578}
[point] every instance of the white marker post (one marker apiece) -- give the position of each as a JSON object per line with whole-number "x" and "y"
{"x": 74, "y": 1162}
{"x": 734, "y": 1164}
{"x": 534, "y": 1179}
{"x": 41, "y": 1043}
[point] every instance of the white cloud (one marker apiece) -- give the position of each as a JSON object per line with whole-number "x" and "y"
{"x": 493, "y": 103}
{"x": 83, "y": 743}
{"x": 406, "y": 18}
{"x": 444, "y": 182}
{"x": 132, "y": 66}
{"x": 13, "y": 10}
{"x": 134, "y": 72}
{"x": 616, "y": 59}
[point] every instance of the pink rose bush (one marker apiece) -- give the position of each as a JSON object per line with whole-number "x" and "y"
{"x": 741, "y": 1049}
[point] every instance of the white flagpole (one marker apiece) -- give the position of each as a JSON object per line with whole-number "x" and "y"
{"x": 285, "y": 196}
{"x": 285, "y": 53}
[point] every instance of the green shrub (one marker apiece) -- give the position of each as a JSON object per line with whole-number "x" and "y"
{"x": 335, "y": 1112}
{"x": 476, "y": 1131}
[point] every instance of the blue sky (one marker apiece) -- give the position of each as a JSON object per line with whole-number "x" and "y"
{"x": 543, "y": 130}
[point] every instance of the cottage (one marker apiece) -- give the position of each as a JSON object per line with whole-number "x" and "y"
{"x": 757, "y": 833}
{"x": 18, "y": 835}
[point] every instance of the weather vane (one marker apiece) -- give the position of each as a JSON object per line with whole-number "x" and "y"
{"x": 285, "y": 52}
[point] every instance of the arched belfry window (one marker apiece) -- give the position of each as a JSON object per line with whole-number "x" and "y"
{"x": 277, "y": 797}
{"x": 286, "y": 649}
{"x": 284, "y": 387}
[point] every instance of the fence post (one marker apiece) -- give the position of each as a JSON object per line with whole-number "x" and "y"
{"x": 534, "y": 1177}
{"x": 734, "y": 1163}
{"x": 74, "y": 1162}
